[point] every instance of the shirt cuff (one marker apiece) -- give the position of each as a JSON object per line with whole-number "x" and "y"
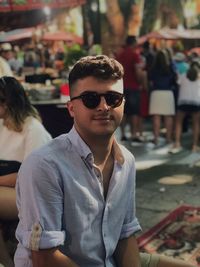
{"x": 130, "y": 228}
{"x": 39, "y": 239}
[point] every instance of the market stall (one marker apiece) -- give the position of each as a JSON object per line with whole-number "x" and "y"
{"x": 171, "y": 34}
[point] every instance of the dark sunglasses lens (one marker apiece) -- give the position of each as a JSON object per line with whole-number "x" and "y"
{"x": 91, "y": 100}
{"x": 113, "y": 99}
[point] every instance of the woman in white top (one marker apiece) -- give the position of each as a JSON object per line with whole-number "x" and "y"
{"x": 21, "y": 131}
{"x": 188, "y": 103}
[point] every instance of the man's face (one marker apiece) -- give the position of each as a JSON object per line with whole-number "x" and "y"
{"x": 102, "y": 120}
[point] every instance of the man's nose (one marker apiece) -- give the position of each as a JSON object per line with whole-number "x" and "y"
{"x": 103, "y": 104}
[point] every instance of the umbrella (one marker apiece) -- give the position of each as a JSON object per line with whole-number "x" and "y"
{"x": 194, "y": 50}
{"x": 62, "y": 36}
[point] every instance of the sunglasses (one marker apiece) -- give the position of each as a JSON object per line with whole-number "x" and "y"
{"x": 91, "y": 100}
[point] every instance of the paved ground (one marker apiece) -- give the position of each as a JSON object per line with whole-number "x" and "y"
{"x": 154, "y": 199}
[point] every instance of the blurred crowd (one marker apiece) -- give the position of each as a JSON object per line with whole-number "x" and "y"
{"x": 163, "y": 84}
{"x": 15, "y": 60}
{"x": 159, "y": 83}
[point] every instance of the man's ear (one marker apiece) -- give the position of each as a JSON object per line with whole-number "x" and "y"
{"x": 70, "y": 108}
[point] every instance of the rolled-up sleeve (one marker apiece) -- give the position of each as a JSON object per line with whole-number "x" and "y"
{"x": 130, "y": 228}
{"x": 40, "y": 204}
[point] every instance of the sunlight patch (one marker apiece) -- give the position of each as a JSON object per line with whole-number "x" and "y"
{"x": 176, "y": 179}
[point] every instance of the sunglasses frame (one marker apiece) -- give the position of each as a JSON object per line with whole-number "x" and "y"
{"x": 98, "y": 98}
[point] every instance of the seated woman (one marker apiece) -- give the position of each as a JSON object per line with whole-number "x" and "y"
{"x": 21, "y": 131}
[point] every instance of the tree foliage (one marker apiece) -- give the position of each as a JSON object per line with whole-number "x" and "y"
{"x": 162, "y": 13}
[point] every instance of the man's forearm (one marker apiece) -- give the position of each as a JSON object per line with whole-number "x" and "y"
{"x": 51, "y": 258}
{"x": 127, "y": 253}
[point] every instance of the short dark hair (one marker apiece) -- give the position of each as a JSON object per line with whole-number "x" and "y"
{"x": 131, "y": 40}
{"x": 192, "y": 73}
{"x": 101, "y": 67}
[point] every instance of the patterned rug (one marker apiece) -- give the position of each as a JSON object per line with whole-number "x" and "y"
{"x": 177, "y": 235}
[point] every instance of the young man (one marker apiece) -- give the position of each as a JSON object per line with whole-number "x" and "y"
{"x": 76, "y": 195}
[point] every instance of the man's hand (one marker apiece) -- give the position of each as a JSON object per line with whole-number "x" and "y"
{"x": 127, "y": 253}
{"x": 51, "y": 258}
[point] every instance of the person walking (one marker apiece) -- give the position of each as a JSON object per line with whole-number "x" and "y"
{"x": 188, "y": 104}
{"x": 130, "y": 61}
{"x": 76, "y": 195}
{"x": 162, "y": 102}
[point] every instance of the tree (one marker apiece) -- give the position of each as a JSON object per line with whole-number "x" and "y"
{"x": 123, "y": 18}
{"x": 136, "y": 17}
{"x": 162, "y": 13}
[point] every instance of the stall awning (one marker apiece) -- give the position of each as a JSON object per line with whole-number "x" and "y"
{"x": 17, "y": 34}
{"x": 171, "y": 34}
{"x": 24, "y": 33}
{"x": 17, "y": 5}
{"x": 62, "y": 36}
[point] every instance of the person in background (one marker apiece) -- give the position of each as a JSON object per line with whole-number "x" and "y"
{"x": 5, "y": 55}
{"x": 76, "y": 195}
{"x": 31, "y": 57}
{"x": 21, "y": 131}
{"x": 144, "y": 99}
{"x": 15, "y": 63}
{"x": 181, "y": 64}
{"x": 130, "y": 60}
{"x": 162, "y": 101}
{"x": 149, "y": 55}
{"x": 188, "y": 104}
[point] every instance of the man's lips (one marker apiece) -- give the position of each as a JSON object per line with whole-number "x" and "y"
{"x": 102, "y": 118}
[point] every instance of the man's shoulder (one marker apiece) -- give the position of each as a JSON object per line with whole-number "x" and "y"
{"x": 47, "y": 161}
{"x": 54, "y": 149}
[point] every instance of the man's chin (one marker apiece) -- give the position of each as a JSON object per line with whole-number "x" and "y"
{"x": 106, "y": 133}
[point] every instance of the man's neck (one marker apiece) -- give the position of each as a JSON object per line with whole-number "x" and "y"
{"x": 101, "y": 149}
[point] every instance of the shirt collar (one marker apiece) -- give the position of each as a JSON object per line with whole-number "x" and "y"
{"x": 85, "y": 152}
{"x": 116, "y": 150}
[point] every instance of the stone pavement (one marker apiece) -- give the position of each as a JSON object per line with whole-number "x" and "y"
{"x": 180, "y": 174}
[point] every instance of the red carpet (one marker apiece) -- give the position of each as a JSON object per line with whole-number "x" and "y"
{"x": 177, "y": 235}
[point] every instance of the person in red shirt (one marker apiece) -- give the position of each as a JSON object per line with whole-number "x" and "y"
{"x": 130, "y": 60}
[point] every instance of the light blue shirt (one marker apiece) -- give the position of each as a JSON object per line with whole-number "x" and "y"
{"x": 61, "y": 203}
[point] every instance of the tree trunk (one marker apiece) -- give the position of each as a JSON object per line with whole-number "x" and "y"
{"x": 135, "y": 19}
{"x": 116, "y": 21}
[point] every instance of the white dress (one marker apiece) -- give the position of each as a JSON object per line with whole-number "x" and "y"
{"x": 15, "y": 146}
{"x": 162, "y": 103}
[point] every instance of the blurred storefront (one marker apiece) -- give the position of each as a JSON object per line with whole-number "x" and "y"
{"x": 18, "y": 5}
{"x": 16, "y": 14}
